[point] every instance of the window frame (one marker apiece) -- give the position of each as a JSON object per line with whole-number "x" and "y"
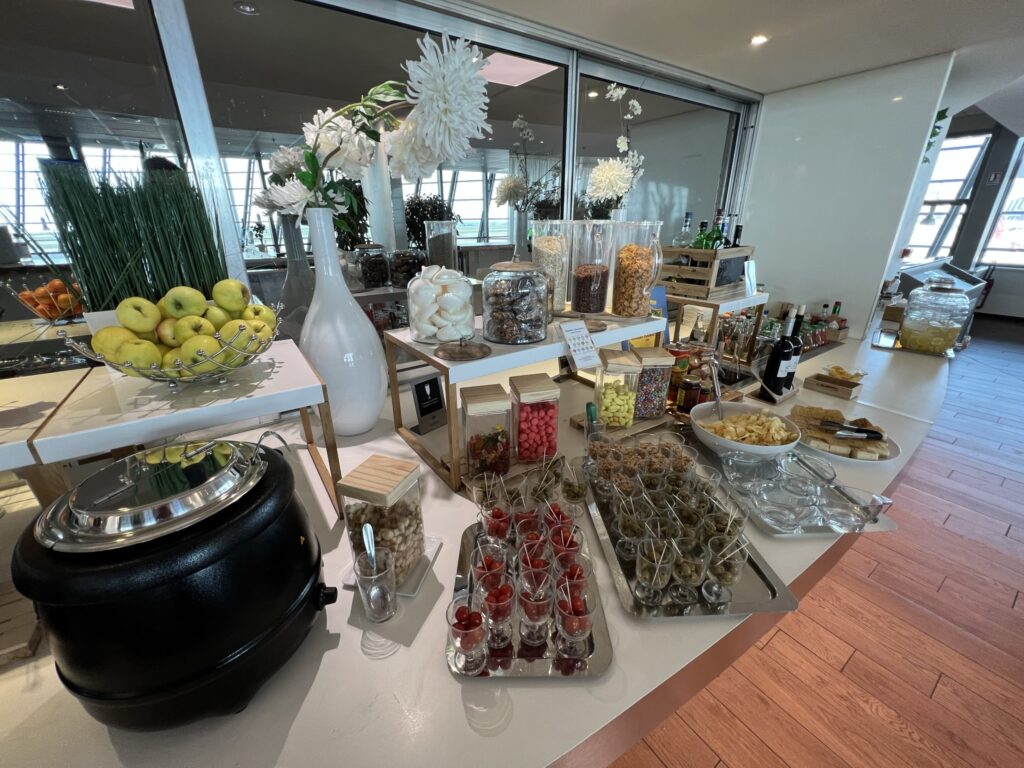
{"x": 999, "y": 210}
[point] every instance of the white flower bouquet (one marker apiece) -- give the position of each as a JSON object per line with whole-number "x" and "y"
{"x": 613, "y": 178}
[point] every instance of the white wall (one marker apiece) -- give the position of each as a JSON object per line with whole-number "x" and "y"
{"x": 834, "y": 163}
{"x": 682, "y": 168}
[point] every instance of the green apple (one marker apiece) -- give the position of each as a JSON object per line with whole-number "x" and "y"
{"x": 232, "y": 295}
{"x": 264, "y": 332}
{"x": 163, "y": 309}
{"x": 138, "y": 315}
{"x": 106, "y": 340}
{"x": 149, "y": 336}
{"x": 163, "y": 348}
{"x": 260, "y": 312}
{"x": 199, "y": 353}
{"x": 192, "y": 325}
{"x": 238, "y": 335}
{"x": 139, "y": 353}
{"x": 166, "y": 334}
{"x": 182, "y": 301}
{"x": 235, "y": 315}
{"x": 217, "y": 316}
{"x": 171, "y": 361}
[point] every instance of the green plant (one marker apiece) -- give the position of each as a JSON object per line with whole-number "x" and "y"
{"x": 421, "y": 208}
{"x": 352, "y": 227}
{"x": 942, "y": 114}
{"x": 140, "y": 237}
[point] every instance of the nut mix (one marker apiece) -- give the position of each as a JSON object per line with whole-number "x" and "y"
{"x": 634, "y": 273}
{"x": 398, "y": 528}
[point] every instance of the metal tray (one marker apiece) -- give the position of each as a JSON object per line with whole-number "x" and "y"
{"x": 519, "y": 661}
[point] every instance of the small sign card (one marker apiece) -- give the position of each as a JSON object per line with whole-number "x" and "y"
{"x": 582, "y": 352}
{"x": 428, "y": 397}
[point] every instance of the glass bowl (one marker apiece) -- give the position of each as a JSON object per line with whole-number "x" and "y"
{"x": 805, "y": 467}
{"x": 848, "y": 510}
{"x": 745, "y": 471}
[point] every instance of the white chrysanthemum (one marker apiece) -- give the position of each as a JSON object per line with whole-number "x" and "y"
{"x": 634, "y": 107}
{"x": 410, "y": 157}
{"x": 290, "y": 197}
{"x": 520, "y": 123}
{"x": 615, "y": 92}
{"x": 622, "y": 144}
{"x": 338, "y": 144}
{"x": 449, "y": 96}
{"x": 263, "y": 200}
{"x": 612, "y": 178}
{"x": 510, "y": 190}
{"x": 287, "y": 160}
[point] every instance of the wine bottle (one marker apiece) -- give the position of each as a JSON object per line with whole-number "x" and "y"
{"x": 736, "y": 236}
{"x": 701, "y": 240}
{"x": 715, "y": 235}
{"x": 798, "y": 346}
{"x": 837, "y": 308}
{"x": 685, "y": 238}
{"x": 775, "y": 370}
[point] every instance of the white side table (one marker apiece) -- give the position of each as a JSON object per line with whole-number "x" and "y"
{"x": 109, "y": 411}
{"x": 26, "y": 403}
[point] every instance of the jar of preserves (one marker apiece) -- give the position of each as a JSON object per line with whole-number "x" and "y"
{"x": 534, "y": 416}
{"x": 593, "y": 245}
{"x": 551, "y": 239}
{"x": 440, "y": 305}
{"x": 934, "y": 317}
{"x": 615, "y": 390}
{"x": 637, "y": 264}
{"x": 385, "y": 492}
{"x": 405, "y": 265}
{"x": 515, "y": 301}
{"x": 374, "y": 266}
{"x": 689, "y": 393}
{"x": 485, "y": 424}
{"x": 652, "y": 388}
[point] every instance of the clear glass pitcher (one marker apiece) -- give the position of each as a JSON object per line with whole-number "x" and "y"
{"x": 593, "y": 249}
{"x": 637, "y": 264}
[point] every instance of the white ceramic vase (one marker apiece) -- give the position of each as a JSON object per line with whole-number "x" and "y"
{"x": 339, "y": 340}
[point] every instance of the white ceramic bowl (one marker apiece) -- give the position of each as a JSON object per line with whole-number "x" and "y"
{"x": 705, "y": 414}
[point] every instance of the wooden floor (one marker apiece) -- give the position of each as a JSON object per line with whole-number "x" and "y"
{"x": 911, "y": 652}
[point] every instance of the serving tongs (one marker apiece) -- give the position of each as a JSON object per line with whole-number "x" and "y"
{"x": 850, "y": 431}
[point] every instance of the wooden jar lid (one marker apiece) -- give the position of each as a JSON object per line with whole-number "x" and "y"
{"x": 380, "y": 480}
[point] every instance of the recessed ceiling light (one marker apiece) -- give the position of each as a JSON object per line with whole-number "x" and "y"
{"x": 592, "y": 94}
{"x": 246, "y": 8}
{"x": 897, "y": 98}
{"x": 759, "y": 39}
{"x": 60, "y": 86}
{"x": 505, "y": 69}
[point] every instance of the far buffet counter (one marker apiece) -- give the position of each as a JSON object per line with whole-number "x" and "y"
{"x": 364, "y": 695}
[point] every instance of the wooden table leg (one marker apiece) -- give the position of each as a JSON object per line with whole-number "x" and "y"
{"x": 454, "y": 436}
{"x": 391, "y": 354}
{"x": 329, "y": 476}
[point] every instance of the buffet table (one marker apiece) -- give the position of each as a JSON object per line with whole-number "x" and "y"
{"x": 356, "y": 694}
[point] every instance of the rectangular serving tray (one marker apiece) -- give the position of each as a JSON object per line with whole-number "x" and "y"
{"x": 519, "y": 661}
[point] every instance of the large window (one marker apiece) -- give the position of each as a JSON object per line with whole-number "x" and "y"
{"x": 948, "y": 195}
{"x": 1006, "y": 242}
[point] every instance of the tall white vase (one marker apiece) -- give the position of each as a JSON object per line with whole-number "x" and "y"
{"x": 338, "y": 339}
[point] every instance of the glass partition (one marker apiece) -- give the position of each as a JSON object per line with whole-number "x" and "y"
{"x": 687, "y": 150}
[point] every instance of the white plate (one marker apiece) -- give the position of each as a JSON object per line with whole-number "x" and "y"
{"x": 705, "y": 412}
{"x": 894, "y": 452}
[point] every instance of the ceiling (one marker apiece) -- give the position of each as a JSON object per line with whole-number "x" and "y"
{"x": 811, "y": 40}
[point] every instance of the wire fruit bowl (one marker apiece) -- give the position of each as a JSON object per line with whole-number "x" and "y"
{"x": 210, "y": 369}
{"x": 45, "y": 306}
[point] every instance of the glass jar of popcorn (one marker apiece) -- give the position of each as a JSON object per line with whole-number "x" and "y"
{"x": 637, "y": 264}
{"x": 551, "y": 239}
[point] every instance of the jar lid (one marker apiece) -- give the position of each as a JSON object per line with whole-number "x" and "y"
{"x": 689, "y": 381}
{"x": 943, "y": 284}
{"x": 489, "y": 398}
{"x": 654, "y": 357}
{"x": 368, "y": 248}
{"x": 617, "y": 361}
{"x": 515, "y": 266}
{"x": 150, "y": 494}
{"x": 534, "y": 388}
{"x": 380, "y": 480}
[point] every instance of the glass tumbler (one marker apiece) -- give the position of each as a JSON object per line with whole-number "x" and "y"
{"x": 496, "y": 600}
{"x": 655, "y": 559}
{"x": 467, "y": 633}
{"x": 536, "y": 598}
{"x": 726, "y": 559}
{"x": 573, "y": 619}
{"x": 377, "y": 585}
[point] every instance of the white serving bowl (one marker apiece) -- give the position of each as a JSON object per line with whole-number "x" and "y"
{"x": 705, "y": 413}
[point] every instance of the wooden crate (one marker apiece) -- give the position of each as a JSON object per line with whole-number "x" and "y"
{"x": 716, "y": 273}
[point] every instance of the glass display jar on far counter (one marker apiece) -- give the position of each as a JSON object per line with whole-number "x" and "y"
{"x": 593, "y": 246}
{"x": 934, "y": 317}
{"x": 515, "y": 301}
{"x": 534, "y": 416}
{"x": 615, "y": 391}
{"x": 551, "y": 239}
{"x": 406, "y": 263}
{"x": 385, "y": 492}
{"x": 652, "y": 387}
{"x": 485, "y": 424}
{"x": 374, "y": 266}
{"x": 440, "y": 305}
{"x": 637, "y": 264}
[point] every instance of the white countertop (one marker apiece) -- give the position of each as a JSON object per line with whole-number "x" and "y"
{"x": 110, "y": 410}
{"x": 337, "y": 702}
{"x": 25, "y": 403}
{"x": 26, "y": 331}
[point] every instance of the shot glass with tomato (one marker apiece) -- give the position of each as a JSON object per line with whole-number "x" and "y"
{"x": 496, "y": 601}
{"x": 573, "y": 619}
{"x": 467, "y": 634}
{"x": 536, "y": 597}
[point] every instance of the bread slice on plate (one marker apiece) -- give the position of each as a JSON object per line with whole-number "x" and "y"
{"x": 809, "y": 417}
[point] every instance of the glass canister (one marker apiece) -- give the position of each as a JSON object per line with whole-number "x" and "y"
{"x": 374, "y": 267}
{"x": 615, "y": 391}
{"x": 652, "y": 387}
{"x": 593, "y": 245}
{"x": 534, "y": 416}
{"x": 551, "y": 238}
{"x": 485, "y": 424}
{"x": 442, "y": 243}
{"x": 405, "y": 265}
{"x": 637, "y": 264}
{"x": 385, "y": 492}
{"x": 440, "y": 305}
{"x": 515, "y": 297}
{"x": 935, "y": 316}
